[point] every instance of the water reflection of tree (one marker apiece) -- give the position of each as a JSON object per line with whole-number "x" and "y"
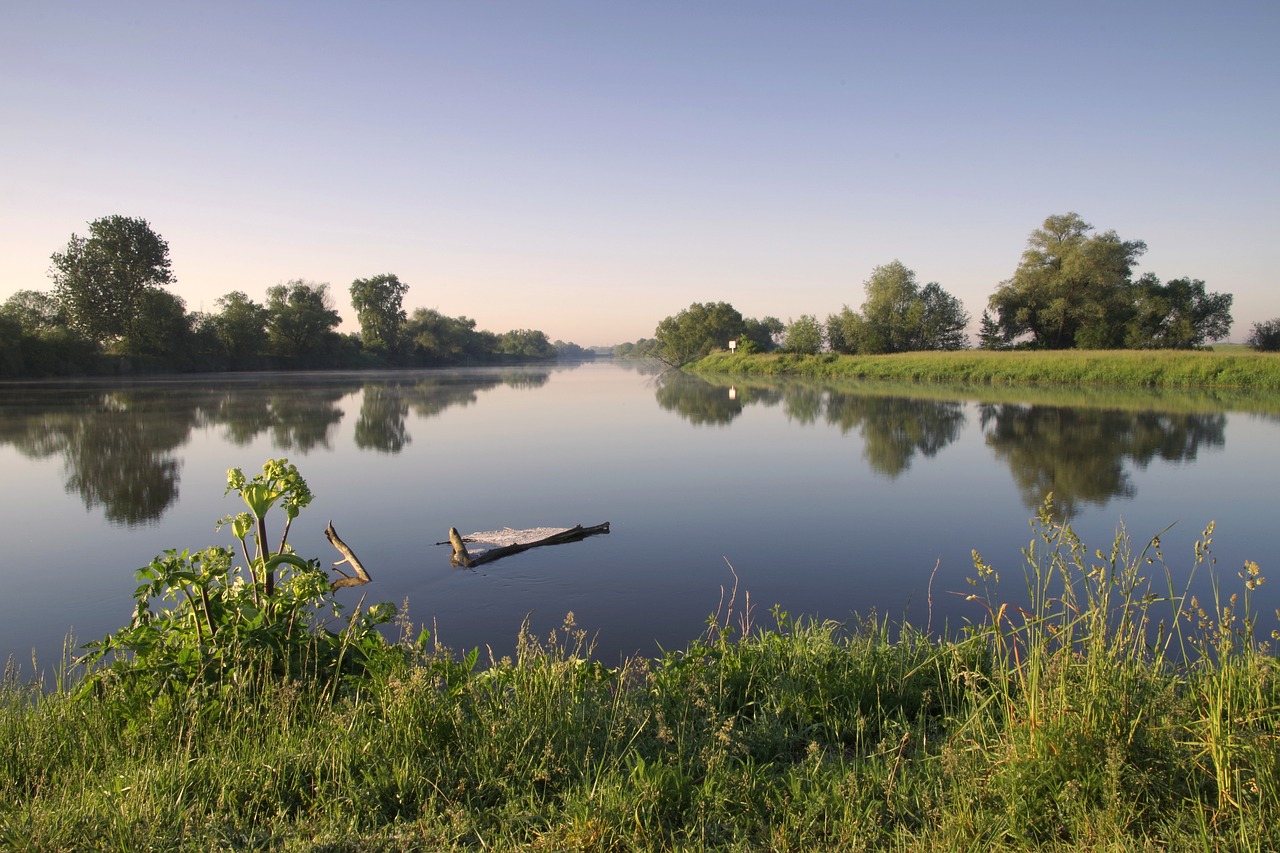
{"x": 430, "y": 397}
{"x": 381, "y": 425}
{"x": 1080, "y": 454}
{"x": 118, "y": 446}
{"x": 299, "y": 418}
{"x": 697, "y": 400}
{"x": 895, "y": 429}
{"x": 803, "y": 403}
{"x": 526, "y": 378}
{"x": 385, "y": 405}
{"x": 116, "y": 449}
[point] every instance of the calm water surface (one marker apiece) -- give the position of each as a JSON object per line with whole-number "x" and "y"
{"x": 826, "y": 500}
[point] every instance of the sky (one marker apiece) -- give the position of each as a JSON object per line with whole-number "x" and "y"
{"x": 589, "y": 168}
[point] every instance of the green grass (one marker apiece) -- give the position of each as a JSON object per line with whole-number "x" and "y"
{"x": 1234, "y": 368}
{"x": 1107, "y": 711}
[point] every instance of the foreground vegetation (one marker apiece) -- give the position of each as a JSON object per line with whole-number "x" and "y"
{"x": 1231, "y": 368}
{"x": 1098, "y": 708}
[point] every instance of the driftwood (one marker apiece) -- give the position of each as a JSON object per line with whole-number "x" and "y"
{"x": 348, "y": 557}
{"x": 461, "y": 557}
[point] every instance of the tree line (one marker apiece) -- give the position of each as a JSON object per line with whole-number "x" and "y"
{"x": 110, "y": 310}
{"x": 1073, "y": 288}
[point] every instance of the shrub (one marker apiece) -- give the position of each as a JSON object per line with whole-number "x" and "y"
{"x": 1265, "y": 336}
{"x": 230, "y": 621}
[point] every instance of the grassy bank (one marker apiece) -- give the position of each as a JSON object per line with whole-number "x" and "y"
{"x": 1234, "y": 368}
{"x": 1210, "y": 400}
{"x": 1106, "y": 713}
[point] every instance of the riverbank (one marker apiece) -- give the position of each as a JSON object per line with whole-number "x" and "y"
{"x": 1104, "y": 712}
{"x": 1234, "y": 368}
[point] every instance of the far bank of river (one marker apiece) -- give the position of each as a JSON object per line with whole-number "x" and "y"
{"x": 1237, "y": 369}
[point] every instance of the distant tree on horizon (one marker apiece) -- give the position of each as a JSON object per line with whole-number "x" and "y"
{"x": 102, "y": 282}
{"x": 379, "y": 308}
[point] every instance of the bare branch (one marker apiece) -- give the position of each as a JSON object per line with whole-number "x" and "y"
{"x": 349, "y": 557}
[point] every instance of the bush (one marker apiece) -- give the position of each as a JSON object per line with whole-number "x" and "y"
{"x": 228, "y": 621}
{"x": 1265, "y": 336}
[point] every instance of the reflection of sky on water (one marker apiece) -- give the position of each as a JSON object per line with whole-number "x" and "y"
{"x": 825, "y": 501}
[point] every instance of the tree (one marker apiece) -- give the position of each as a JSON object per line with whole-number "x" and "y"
{"x": 11, "y": 334}
{"x": 696, "y": 331}
{"x": 1177, "y": 315}
{"x": 162, "y": 328}
{"x": 377, "y": 302}
{"x": 1071, "y": 289}
{"x": 989, "y": 334}
{"x": 34, "y": 311}
{"x": 525, "y": 344}
{"x": 437, "y": 339}
{"x": 36, "y": 340}
{"x": 893, "y": 311}
{"x": 942, "y": 321}
{"x": 838, "y": 330}
{"x": 101, "y": 280}
{"x": 241, "y": 326}
{"x": 642, "y": 348}
{"x": 1265, "y": 336}
{"x": 300, "y": 316}
{"x": 761, "y": 335}
{"x": 804, "y": 335}
{"x": 899, "y": 316}
{"x": 571, "y": 351}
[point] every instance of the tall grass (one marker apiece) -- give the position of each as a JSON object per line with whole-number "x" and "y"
{"x": 1145, "y": 368}
{"x": 1100, "y": 707}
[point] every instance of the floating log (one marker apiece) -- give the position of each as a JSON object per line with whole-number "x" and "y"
{"x": 462, "y": 557}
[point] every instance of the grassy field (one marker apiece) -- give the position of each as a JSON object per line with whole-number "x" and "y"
{"x": 1108, "y": 712}
{"x": 1231, "y": 368}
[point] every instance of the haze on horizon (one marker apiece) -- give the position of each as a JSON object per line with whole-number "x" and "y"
{"x": 587, "y": 169}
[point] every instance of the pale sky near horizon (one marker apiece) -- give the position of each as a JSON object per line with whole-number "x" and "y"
{"x": 588, "y": 168}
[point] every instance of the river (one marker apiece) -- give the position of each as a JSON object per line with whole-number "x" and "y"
{"x": 830, "y": 501}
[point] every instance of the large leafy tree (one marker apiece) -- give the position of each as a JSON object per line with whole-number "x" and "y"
{"x": 942, "y": 320}
{"x": 34, "y": 311}
{"x": 378, "y": 303}
{"x": 438, "y": 339}
{"x": 525, "y": 344}
{"x": 241, "y": 325}
{"x": 697, "y": 330}
{"x": 899, "y": 316}
{"x": 300, "y": 316}
{"x": 163, "y": 328}
{"x": 103, "y": 280}
{"x": 1177, "y": 315}
{"x": 804, "y": 336}
{"x": 761, "y": 335}
{"x": 893, "y": 310}
{"x": 1071, "y": 289}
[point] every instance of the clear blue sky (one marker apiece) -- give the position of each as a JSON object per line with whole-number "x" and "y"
{"x": 587, "y": 168}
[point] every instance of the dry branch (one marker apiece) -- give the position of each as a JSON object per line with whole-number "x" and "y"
{"x": 348, "y": 557}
